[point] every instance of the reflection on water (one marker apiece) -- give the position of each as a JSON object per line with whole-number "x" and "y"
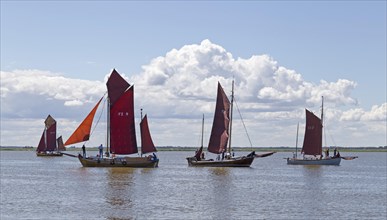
{"x": 221, "y": 189}
{"x": 220, "y": 171}
{"x": 118, "y": 192}
{"x": 270, "y": 189}
{"x": 312, "y": 188}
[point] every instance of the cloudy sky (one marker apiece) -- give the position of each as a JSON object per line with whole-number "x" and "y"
{"x": 283, "y": 56}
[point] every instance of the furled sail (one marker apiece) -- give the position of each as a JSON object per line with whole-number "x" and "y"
{"x": 198, "y": 153}
{"x": 82, "y": 133}
{"x": 61, "y": 146}
{"x": 50, "y": 133}
{"x": 147, "y": 145}
{"x": 313, "y": 135}
{"x": 219, "y": 133}
{"x": 122, "y": 125}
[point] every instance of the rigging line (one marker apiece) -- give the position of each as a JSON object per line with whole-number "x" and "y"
{"x": 330, "y": 135}
{"x": 240, "y": 115}
{"x": 100, "y": 115}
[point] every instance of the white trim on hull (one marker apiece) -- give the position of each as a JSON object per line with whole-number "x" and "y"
{"x": 326, "y": 161}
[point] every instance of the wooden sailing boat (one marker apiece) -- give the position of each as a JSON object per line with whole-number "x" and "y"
{"x": 221, "y": 136}
{"x": 121, "y": 134}
{"x": 312, "y": 147}
{"x": 47, "y": 144}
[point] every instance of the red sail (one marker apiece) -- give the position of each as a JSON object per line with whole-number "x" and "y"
{"x": 220, "y": 126}
{"x": 122, "y": 126}
{"x": 51, "y": 137}
{"x": 147, "y": 145}
{"x": 116, "y": 86}
{"x": 313, "y": 135}
{"x": 42, "y": 144}
{"x": 82, "y": 133}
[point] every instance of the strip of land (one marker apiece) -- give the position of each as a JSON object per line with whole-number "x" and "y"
{"x": 193, "y": 149}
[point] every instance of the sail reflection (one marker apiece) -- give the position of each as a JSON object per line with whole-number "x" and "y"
{"x": 118, "y": 192}
{"x": 221, "y": 192}
{"x": 313, "y": 187}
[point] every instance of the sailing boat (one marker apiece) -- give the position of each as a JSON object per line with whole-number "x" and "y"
{"x": 121, "y": 134}
{"x": 221, "y": 136}
{"x": 47, "y": 144}
{"x": 312, "y": 147}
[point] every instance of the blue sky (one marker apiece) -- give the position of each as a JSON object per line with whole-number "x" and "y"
{"x": 85, "y": 40}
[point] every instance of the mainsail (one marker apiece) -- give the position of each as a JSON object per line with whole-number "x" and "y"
{"x": 122, "y": 125}
{"x": 147, "y": 145}
{"x": 48, "y": 140}
{"x": 219, "y": 133}
{"x": 313, "y": 135}
{"x": 82, "y": 133}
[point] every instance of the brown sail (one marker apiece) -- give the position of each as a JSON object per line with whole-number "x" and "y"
{"x": 61, "y": 146}
{"x": 42, "y": 143}
{"x": 219, "y": 133}
{"x": 313, "y": 135}
{"x": 147, "y": 145}
{"x": 82, "y": 133}
{"x": 50, "y": 133}
{"x": 116, "y": 86}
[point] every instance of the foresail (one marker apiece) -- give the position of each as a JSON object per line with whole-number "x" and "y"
{"x": 82, "y": 133}
{"x": 219, "y": 133}
{"x": 147, "y": 145}
{"x": 313, "y": 135}
{"x": 122, "y": 126}
{"x": 42, "y": 144}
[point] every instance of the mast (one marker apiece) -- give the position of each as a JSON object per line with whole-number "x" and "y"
{"x": 108, "y": 126}
{"x": 322, "y": 116}
{"x": 297, "y": 138}
{"x": 140, "y": 132}
{"x": 202, "y": 130}
{"x": 232, "y": 101}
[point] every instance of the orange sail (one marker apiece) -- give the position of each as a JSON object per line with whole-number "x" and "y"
{"x": 82, "y": 133}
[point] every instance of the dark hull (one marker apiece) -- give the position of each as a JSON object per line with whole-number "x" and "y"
{"x": 233, "y": 162}
{"x": 134, "y": 162}
{"x": 49, "y": 154}
{"x": 329, "y": 161}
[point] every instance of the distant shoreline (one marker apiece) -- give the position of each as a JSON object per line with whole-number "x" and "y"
{"x": 193, "y": 149}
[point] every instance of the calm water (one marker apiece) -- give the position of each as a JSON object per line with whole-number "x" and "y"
{"x": 60, "y": 188}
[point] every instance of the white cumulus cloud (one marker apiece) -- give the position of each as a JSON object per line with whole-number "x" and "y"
{"x": 177, "y": 88}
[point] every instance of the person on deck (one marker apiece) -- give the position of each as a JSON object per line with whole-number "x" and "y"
{"x": 202, "y": 156}
{"x": 223, "y": 151}
{"x": 100, "y": 151}
{"x": 334, "y": 152}
{"x": 154, "y": 157}
{"x": 84, "y": 151}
